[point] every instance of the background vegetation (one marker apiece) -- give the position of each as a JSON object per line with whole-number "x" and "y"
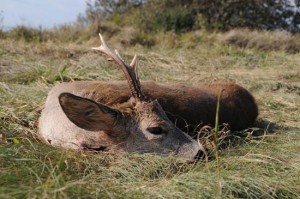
{"x": 261, "y": 162}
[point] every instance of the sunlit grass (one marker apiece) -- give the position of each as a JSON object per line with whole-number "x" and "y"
{"x": 262, "y": 162}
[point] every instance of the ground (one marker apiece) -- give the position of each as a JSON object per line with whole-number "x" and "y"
{"x": 262, "y": 162}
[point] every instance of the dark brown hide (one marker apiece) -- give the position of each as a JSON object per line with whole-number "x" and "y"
{"x": 185, "y": 106}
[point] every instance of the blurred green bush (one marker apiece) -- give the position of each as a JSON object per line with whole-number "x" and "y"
{"x": 178, "y": 16}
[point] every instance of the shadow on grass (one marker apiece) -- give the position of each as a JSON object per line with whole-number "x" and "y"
{"x": 230, "y": 139}
{"x": 271, "y": 127}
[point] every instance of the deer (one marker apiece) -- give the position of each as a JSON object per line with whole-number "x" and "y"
{"x": 139, "y": 116}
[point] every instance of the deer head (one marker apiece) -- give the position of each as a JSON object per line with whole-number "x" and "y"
{"x": 145, "y": 128}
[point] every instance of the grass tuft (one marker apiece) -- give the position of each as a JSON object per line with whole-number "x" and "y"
{"x": 264, "y": 40}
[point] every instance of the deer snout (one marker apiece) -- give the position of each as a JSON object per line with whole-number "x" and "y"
{"x": 189, "y": 152}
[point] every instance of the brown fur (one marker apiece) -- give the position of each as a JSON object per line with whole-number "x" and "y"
{"x": 187, "y": 107}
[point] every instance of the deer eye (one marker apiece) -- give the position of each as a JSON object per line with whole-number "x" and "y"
{"x": 156, "y": 130}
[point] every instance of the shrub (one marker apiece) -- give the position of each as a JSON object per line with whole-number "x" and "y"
{"x": 254, "y": 14}
{"x": 264, "y": 40}
{"x": 142, "y": 39}
{"x": 181, "y": 16}
{"x": 26, "y": 33}
{"x": 177, "y": 19}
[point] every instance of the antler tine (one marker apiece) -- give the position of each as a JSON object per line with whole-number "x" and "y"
{"x": 104, "y": 48}
{"x": 128, "y": 70}
{"x": 118, "y": 54}
{"x": 134, "y": 64}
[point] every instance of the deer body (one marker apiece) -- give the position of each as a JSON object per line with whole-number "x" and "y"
{"x": 139, "y": 117}
{"x": 187, "y": 107}
{"x": 55, "y": 127}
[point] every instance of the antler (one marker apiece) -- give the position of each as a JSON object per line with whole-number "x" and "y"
{"x": 130, "y": 71}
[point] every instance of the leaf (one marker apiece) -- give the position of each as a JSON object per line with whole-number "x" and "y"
{"x": 16, "y": 141}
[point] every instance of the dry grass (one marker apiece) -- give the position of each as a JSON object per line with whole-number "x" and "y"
{"x": 259, "y": 163}
{"x": 264, "y": 40}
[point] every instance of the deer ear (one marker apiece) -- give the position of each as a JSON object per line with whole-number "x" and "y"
{"x": 88, "y": 114}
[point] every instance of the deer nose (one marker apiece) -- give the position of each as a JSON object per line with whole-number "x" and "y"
{"x": 189, "y": 152}
{"x": 199, "y": 156}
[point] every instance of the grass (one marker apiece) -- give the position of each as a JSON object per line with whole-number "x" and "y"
{"x": 264, "y": 40}
{"x": 253, "y": 165}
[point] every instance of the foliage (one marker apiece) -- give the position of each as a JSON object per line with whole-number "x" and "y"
{"x": 98, "y": 10}
{"x": 181, "y": 16}
{"x": 254, "y": 14}
{"x": 1, "y": 25}
{"x": 142, "y": 39}
{"x": 177, "y": 19}
{"x": 152, "y": 17}
{"x": 1, "y": 20}
{"x": 26, "y": 33}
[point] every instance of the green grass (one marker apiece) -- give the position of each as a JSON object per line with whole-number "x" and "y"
{"x": 266, "y": 165}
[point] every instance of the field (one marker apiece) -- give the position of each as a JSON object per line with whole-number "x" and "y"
{"x": 262, "y": 162}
